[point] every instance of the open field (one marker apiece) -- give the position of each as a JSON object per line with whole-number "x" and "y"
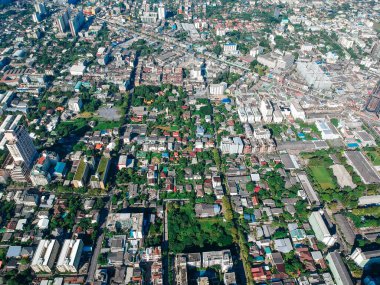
{"x": 374, "y": 157}
{"x": 322, "y": 176}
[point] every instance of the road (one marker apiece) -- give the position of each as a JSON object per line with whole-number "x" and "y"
{"x": 99, "y": 242}
{"x": 171, "y": 40}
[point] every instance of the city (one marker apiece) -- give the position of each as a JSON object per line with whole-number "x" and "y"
{"x": 189, "y": 142}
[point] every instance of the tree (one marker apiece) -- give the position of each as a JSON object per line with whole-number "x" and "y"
{"x": 250, "y": 186}
{"x": 217, "y": 50}
{"x": 206, "y": 110}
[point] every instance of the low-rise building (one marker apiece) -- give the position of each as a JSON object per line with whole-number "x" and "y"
{"x": 320, "y": 229}
{"x": 363, "y": 258}
{"x": 338, "y": 269}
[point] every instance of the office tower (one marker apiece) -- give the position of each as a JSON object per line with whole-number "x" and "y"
{"x": 40, "y": 12}
{"x": 76, "y": 23}
{"x": 62, "y": 21}
{"x": 161, "y": 12}
{"x": 40, "y": 8}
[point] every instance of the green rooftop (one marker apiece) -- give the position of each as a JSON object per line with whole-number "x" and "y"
{"x": 80, "y": 170}
{"x": 102, "y": 167}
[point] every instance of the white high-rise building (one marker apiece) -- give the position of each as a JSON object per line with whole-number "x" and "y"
{"x": 68, "y": 260}
{"x": 297, "y": 111}
{"x": 232, "y": 145}
{"x": 161, "y": 12}
{"x": 45, "y": 255}
{"x": 20, "y": 146}
{"x": 266, "y": 110}
{"x": 242, "y": 115}
{"x": 218, "y": 89}
{"x": 149, "y": 17}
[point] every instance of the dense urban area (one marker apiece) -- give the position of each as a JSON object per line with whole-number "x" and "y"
{"x": 189, "y": 142}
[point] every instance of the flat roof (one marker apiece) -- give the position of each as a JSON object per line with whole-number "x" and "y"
{"x": 362, "y": 167}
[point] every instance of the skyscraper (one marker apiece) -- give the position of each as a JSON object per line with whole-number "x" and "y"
{"x": 40, "y": 11}
{"x": 76, "y": 23}
{"x": 22, "y": 151}
{"x": 62, "y": 21}
{"x": 20, "y": 146}
{"x": 161, "y": 12}
{"x": 40, "y": 8}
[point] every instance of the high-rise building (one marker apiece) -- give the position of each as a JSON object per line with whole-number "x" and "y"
{"x": 62, "y": 21}
{"x": 40, "y": 8}
{"x": 68, "y": 260}
{"x": 22, "y": 152}
{"x": 266, "y": 110}
{"x": 161, "y": 12}
{"x": 20, "y": 146}
{"x": 76, "y": 23}
{"x": 45, "y": 255}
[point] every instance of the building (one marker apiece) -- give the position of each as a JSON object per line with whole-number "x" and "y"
{"x": 78, "y": 69}
{"x": 230, "y": 49}
{"x": 314, "y": 76}
{"x": 161, "y": 12}
{"x": 81, "y": 174}
{"x": 297, "y": 111}
{"x": 363, "y": 258}
{"x": 45, "y": 255}
{"x": 223, "y": 258}
{"x": 338, "y": 269}
{"x": 266, "y": 110}
{"x": 242, "y": 115}
{"x": 68, "y": 260}
{"x": 20, "y": 146}
{"x": 22, "y": 152}
{"x": 76, "y": 23}
{"x": 40, "y": 174}
{"x": 98, "y": 180}
{"x": 362, "y": 167}
{"x": 261, "y": 133}
{"x": 204, "y": 210}
{"x": 128, "y": 222}
{"x": 231, "y": 145}
{"x": 62, "y": 22}
{"x": 320, "y": 229}
{"x": 218, "y": 89}
{"x": 149, "y": 17}
{"x": 327, "y": 130}
{"x": 40, "y": 7}
{"x": 369, "y": 200}
{"x": 75, "y": 104}
{"x": 365, "y": 138}
{"x": 311, "y": 194}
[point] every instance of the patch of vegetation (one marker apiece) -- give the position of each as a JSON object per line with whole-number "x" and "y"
{"x": 188, "y": 233}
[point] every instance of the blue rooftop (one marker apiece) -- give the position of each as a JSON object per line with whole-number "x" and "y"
{"x": 60, "y": 167}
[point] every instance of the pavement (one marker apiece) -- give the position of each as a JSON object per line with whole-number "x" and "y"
{"x": 94, "y": 259}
